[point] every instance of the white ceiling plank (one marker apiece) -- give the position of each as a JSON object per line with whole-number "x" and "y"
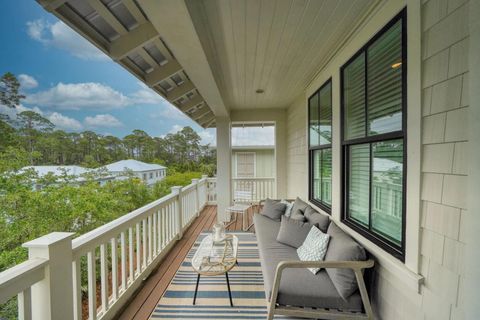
{"x": 133, "y": 40}
{"x": 195, "y": 101}
{"x": 106, "y": 14}
{"x": 51, "y": 5}
{"x": 147, "y": 57}
{"x": 204, "y": 110}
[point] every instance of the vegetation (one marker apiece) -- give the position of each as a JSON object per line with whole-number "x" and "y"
{"x": 61, "y": 205}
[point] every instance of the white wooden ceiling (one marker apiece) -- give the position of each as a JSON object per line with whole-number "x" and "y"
{"x": 274, "y": 45}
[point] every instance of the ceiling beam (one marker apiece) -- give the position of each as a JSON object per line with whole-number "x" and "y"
{"x": 136, "y": 38}
{"x": 134, "y": 11}
{"x": 175, "y": 26}
{"x": 206, "y": 121}
{"x": 160, "y": 73}
{"x": 204, "y": 110}
{"x": 51, "y": 5}
{"x": 195, "y": 101}
{"x": 147, "y": 57}
{"x": 180, "y": 91}
{"x": 106, "y": 14}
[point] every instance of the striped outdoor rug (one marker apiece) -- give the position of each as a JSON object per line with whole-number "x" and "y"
{"x": 246, "y": 282}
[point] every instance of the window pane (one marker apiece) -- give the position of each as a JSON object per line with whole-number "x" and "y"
{"x": 354, "y": 98}
{"x": 316, "y": 165}
{"x": 359, "y": 183}
{"x": 387, "y": 189}
{"x": 326, "y": 114}
{"x": 384, "y": 72}
{"x": 327, "y": 176}
{"x": 314, "y": 128}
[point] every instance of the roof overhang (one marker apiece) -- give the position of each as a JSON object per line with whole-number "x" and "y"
{"x": 135, "y": 35}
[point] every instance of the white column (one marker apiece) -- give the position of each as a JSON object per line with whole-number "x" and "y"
{"x": 52, "y": 298}
{"x": 472, "y": 224}
{"x": 224, "y": 166}
{"x": 197, "y": 196}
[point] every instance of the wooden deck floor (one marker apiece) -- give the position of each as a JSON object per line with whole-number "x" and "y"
{"x": 144, "y": 302}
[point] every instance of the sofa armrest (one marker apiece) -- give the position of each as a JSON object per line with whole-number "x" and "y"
{"x": 356, "y": 266}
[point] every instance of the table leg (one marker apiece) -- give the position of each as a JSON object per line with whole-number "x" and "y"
{"x": 196, "y": 289}
{"x": 229, "y": 292}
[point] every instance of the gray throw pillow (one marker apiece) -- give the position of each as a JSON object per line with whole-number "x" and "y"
{"x": 293, "y": 232}
{"x": 299, "y": 204}
{"x": 320, "y": 220}
{"x": 342, "y": 247}
{"x": 273, "y": 209}
{"x": 298, "y": 215}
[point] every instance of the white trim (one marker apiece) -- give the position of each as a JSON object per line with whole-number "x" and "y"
{"x": 408, "y": 271}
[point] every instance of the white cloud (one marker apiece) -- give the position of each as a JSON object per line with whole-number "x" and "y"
{"x": 208, "y": 137}
{"x": 145, "y": 95}
{"x": 75, "y": 96}
{"x": 61, "y": 36}
{"x": 64, "y": 122}
{"x": 27, "y": 82}
{"x": 102, "y": 120}
{"x": 176, "y": 128}
{"x": 12, "y": 112}
{"x": 253, "y": 136}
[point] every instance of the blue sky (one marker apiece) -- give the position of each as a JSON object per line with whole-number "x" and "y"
{"x": 73, "y": 84}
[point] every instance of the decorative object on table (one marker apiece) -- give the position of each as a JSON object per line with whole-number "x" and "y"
{"x": 218, "y": 232}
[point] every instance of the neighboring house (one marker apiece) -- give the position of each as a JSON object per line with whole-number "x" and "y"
{"x": 253, "y": 161}
{"x": 74, "y": 173}
{"x": 148, "y": 172}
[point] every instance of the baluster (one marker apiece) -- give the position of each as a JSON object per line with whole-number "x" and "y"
{"x": 144, "y": 244}
{"x": 77, "y": 289}
{"x": 130, "y": 254}
{"x": 103, "y": 278}
{"x": 113, "y": 244}
{"x": 137, "y": 242}
{"x": 92, "y": 286}
{"x": 149, "y": 236}
{"x": 154, "y": 226}
{"x": 123, "y": 259}
{"x": 24, "y": 299}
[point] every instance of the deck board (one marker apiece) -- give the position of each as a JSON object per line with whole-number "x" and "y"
{"x": 144, "y": 302}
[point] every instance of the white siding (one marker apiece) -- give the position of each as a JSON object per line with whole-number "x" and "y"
{"x": 444, "y": 168}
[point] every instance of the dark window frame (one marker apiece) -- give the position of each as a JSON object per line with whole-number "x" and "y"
{"x": 398, "y": 251}
{"x": 311, "y": 149}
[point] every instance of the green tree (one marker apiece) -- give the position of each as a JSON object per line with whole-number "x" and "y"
{"x": 9, "y": 90}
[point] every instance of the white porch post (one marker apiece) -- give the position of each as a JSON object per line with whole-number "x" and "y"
{"x": 224, "y": 166}
{"x": 472, "y": 223}
{"x": 52, "y": 298}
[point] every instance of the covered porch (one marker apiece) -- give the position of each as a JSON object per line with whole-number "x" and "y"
{"x": 303, "y": 66}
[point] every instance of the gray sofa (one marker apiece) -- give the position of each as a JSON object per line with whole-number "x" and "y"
{"x": 295, "y": 291}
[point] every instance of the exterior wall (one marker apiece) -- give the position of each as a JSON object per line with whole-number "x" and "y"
{"x": 264, "y": 162}
{"x": 445, "y": 100}
{"x": 297, "y": 149}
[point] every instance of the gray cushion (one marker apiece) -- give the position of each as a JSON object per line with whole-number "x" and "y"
{"x": 298, "y": 287}
{"x": 273, "y": 209}
{"x": 293, "y": 232}
{"x": 320, "y": 220}
{"x": 342, "y": 247}
{"x": 298, "y": 215}
{"x": 299, "y": 204}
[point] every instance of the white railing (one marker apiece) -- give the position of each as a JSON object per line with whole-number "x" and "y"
{"x": 109, "y": 262}
{"x": 253, "y": 189}
{"x": 212, "y": 190}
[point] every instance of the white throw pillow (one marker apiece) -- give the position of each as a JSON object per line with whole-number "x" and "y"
{"x": 288, "y": 209}
{"x": 314, "y": 247}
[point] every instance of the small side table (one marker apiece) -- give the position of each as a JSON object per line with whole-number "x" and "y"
{"x": 243, "y": 210}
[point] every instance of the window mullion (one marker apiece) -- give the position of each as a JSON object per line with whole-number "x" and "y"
{"x": 370, "y": 187}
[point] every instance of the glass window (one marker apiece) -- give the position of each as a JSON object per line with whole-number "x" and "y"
{"x": 373, "y": 107}
{"x": 320, "y": 143}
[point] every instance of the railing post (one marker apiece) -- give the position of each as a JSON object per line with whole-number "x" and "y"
{"x": 178, "y": 210}
{"x": 197, "y": 197}
{"x": 52, "y": 298}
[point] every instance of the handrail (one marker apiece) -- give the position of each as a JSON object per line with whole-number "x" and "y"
{"x": 253, "y": 179}
{"x": 21, "y": 277}
{"x": 100, "y": 234}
